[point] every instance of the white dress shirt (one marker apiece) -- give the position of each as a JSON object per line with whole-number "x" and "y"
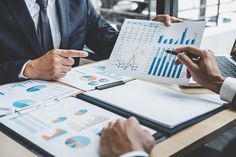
{"x": 34, "y": 9}
{"x": 228, "y": 89}
{"x": 227, "y": 93}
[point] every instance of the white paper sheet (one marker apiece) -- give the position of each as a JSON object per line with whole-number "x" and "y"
{"x": 166, "y": 106}
{"x": 139, "y": 51}
{"x": 26, "y": 94}
{"x": 70, "y": 127}
{"x": 88, "y": 77}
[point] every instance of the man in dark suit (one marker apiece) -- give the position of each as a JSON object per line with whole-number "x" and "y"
{"x": 128, "y": 139}
{"x": 30, "y": 29}
{"x": 39, "y": 39}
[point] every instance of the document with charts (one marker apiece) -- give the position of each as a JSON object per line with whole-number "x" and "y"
{"x": 70, "y": 127}
{"x": 88, "y": 77}
{"x": 139, "y": 51}
{"x": 22, "y": 95}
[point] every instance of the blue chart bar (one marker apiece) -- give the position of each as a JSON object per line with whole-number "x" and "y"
{"x": 174, "y": 72}
{"x": 171, "y": 66}
{"x": 187, "y": 42}
{"x": 165, "y": 41}
{"x": 160, "y": 39}
{"x": 182, "y": 40}
{"x": 158, "y": 62}
{"x": 162, "y": 65}
{"x": 180, "y": 69}
{"x": 183, "y": 36}
{"x": 167, "y": 65}
{"x": 153, "y": 62}
{"x": 193, "y": 41}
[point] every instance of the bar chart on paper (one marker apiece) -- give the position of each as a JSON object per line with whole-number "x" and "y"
{"x": 140, "y": 50}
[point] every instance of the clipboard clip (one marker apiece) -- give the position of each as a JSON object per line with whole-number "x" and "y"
{"x": 110, "y": 85}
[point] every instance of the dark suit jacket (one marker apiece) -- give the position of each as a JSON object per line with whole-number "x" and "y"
{"x": 80, "y": 25}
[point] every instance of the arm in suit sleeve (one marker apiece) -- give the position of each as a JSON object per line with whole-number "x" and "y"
{"x": 228, "y": 90}
{"x": 9, "y": 71}
{"x": 101, "y": 37}
{"x": 135, "y": 154}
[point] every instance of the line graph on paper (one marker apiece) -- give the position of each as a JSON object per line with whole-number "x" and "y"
{"x": 131, "y": 63}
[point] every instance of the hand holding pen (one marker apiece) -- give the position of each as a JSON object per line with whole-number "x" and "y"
{"x": 192, "y": 56}
{"x": 205, "y": 71}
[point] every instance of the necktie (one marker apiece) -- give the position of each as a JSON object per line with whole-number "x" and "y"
{"x": 44, "y": 31}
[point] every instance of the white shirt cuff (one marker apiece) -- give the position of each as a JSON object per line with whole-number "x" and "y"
{"x": 228, "y": 89}
{"x": 21, "y": 75}
{"x": 135, "y": 153}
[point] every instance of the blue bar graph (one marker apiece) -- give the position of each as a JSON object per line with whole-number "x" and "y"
{"x": 182, "y": 40}
{"x": 163, "y": 65}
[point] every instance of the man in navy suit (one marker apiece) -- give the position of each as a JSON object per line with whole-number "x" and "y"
{"x": 40, "y": 39}
{"x": 37, "y": 37}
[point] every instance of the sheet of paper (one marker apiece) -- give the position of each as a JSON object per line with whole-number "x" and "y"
{"x": 71, "y": 127}
{"x": 26, "y": 94}
{"x": 165, "y": 106}
{"x": 139, "y": 51}
{"x": 88, "y": 77}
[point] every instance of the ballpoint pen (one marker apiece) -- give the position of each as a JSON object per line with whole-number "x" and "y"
{"x": 193, "y": 57}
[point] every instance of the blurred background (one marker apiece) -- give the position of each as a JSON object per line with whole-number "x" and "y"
{"x": 215, "y": 12}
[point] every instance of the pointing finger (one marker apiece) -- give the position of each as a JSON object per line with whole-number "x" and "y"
{"x": 73, "y": 53}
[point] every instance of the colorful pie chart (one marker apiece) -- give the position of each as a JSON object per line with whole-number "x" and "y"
{"x": 103, "y": 80}
{"x": 93, "y": 83}
{"x": 23, "y": 103}
{"x": 88, "y": 78}
{"x": 36, "y": 88}
{"x": 59, "y": 119}
{"x": 78, "y": 142}
{"x": 81, "y": 112}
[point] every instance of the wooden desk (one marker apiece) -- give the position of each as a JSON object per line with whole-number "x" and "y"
{"x": 196, "y": 135}
{"x": 177, "y": 145}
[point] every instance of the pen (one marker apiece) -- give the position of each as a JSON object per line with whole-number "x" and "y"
{"x": 193, "y": 57}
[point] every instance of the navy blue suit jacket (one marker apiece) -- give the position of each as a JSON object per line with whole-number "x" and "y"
{"x": 80, "y": 24}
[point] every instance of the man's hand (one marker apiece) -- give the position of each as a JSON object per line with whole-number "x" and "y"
{"x": 53, "y": 65}
{"x": 205, "y": 71}
{"x": 125, "y": 136}
{"x": 167, "y": 19}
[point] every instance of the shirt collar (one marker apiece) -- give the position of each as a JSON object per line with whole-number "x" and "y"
{"x": 30, "y": 3}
